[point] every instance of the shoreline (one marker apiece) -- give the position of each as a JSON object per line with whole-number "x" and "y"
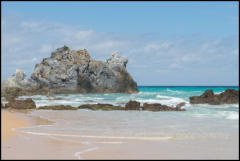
{"x": 67, "y": 146}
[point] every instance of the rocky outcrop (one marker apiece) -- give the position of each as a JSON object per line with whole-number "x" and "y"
{"x": 99, "y": 106}
{"x": 57, "y": 107}
{"x": 70, "y": 71}
{"x": 229, "y": 96}
{"x": 159, "y": 107}
{"x": 21, "y": 104}
{"x": 132, "y": 105}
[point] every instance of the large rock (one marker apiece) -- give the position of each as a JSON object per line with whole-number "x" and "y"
{"x": 70, "y": 71}
{"x": 21, "y": 104}
{"x": 132, "y": 105}
{"x": 229, "y": 96}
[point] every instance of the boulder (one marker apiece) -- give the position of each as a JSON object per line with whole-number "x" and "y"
{"x": 70, "y": 71}
{"x": 229, "y": 96}
{"x": 132, "y": 105}
{"x": 57, "y": 107}
{"x": 21, "y": 104}
{"x": 99, "y": 106}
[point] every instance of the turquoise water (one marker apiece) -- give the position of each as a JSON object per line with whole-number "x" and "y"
{"x": 168, "y": 95}
{"x": 197, "y": 122}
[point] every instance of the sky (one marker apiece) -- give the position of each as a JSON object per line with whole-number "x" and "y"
{"x": 166, "y": 43}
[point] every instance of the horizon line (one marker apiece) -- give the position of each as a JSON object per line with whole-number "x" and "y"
{"x": 188, "y": 85}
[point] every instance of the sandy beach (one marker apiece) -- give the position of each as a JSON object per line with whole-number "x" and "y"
{"x": 40, "y": 145}
{"x": 9, "y": 121}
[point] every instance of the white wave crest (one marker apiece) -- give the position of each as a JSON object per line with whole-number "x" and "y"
{"x": 170, "y": 101}
{"x": 160, "y": 96}
{"x": 230, "y": 115}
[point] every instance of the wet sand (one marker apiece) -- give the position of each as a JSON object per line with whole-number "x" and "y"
{"x": 29, "y": 146}
{"x": 42, "y": 147}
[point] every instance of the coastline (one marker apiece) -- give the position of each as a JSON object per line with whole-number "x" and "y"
{"x": 89, "y": 134}
{"x": 48, "y": 146}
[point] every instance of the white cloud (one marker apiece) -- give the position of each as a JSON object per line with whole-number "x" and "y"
{"x": 27, "y": 42}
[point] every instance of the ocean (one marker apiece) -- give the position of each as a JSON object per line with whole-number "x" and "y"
{"x": 140, "y": 123}
{"x": 202, "y": 126}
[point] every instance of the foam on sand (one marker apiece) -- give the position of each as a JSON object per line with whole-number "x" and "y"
{"x": 101, "y": 137}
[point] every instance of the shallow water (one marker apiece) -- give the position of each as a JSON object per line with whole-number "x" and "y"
{"x": 165, "y": 95}
{"x": 198, "y": 121}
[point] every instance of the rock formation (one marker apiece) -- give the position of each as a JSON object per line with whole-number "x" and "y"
{"x": 70, "y": 71}
{"x": 132, "y": 105}
{"x": 229, "y": 96}
{"x": 160, "y": 107}
{"x": 21, "y": 104}
{"x": 57, "y": 107}
{"x": 99, "y": 106}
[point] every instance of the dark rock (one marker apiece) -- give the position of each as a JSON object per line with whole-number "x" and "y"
{"x": 159, "y": 107}
{"x": 2, "y": 105}
{"x": 99, "y": 106}
{"x": 57, "y": 107}
{"x": 21, "y": 104}
{"x": 229, "y": 96}
{"x": 70, "y": 71}
{"x": 180, "y": 104}
{"x": 132, "y": 105}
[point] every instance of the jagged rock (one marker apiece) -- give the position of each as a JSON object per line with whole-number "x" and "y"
{"x": 160, "y": 107}
{"x": 70, "y": 71}
{"x": 17, "y": 80}
{"x": 117, "y": 60}
{"x": 99, "y": 106}
{"x": 132, "y": 105}
{"x": 57, "y": 107}
{"x": 21, "y": 104}
{"x": 229, "y": 96}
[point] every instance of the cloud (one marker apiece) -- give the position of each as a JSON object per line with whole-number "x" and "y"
{"x": 26, "y": 43}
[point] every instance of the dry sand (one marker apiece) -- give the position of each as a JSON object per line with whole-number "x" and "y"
{"x": 9, "y": 121}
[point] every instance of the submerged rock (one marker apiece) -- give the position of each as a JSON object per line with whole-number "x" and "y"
{"x": 57, "y": 107}
{"x": 99, "y": 106}
{"x": 70, "y": 71}
{"x": 21, "y": 104}
{"x": 229, "y": 96}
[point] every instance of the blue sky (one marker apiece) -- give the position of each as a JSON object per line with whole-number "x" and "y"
{"x": 167, "y": 43}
